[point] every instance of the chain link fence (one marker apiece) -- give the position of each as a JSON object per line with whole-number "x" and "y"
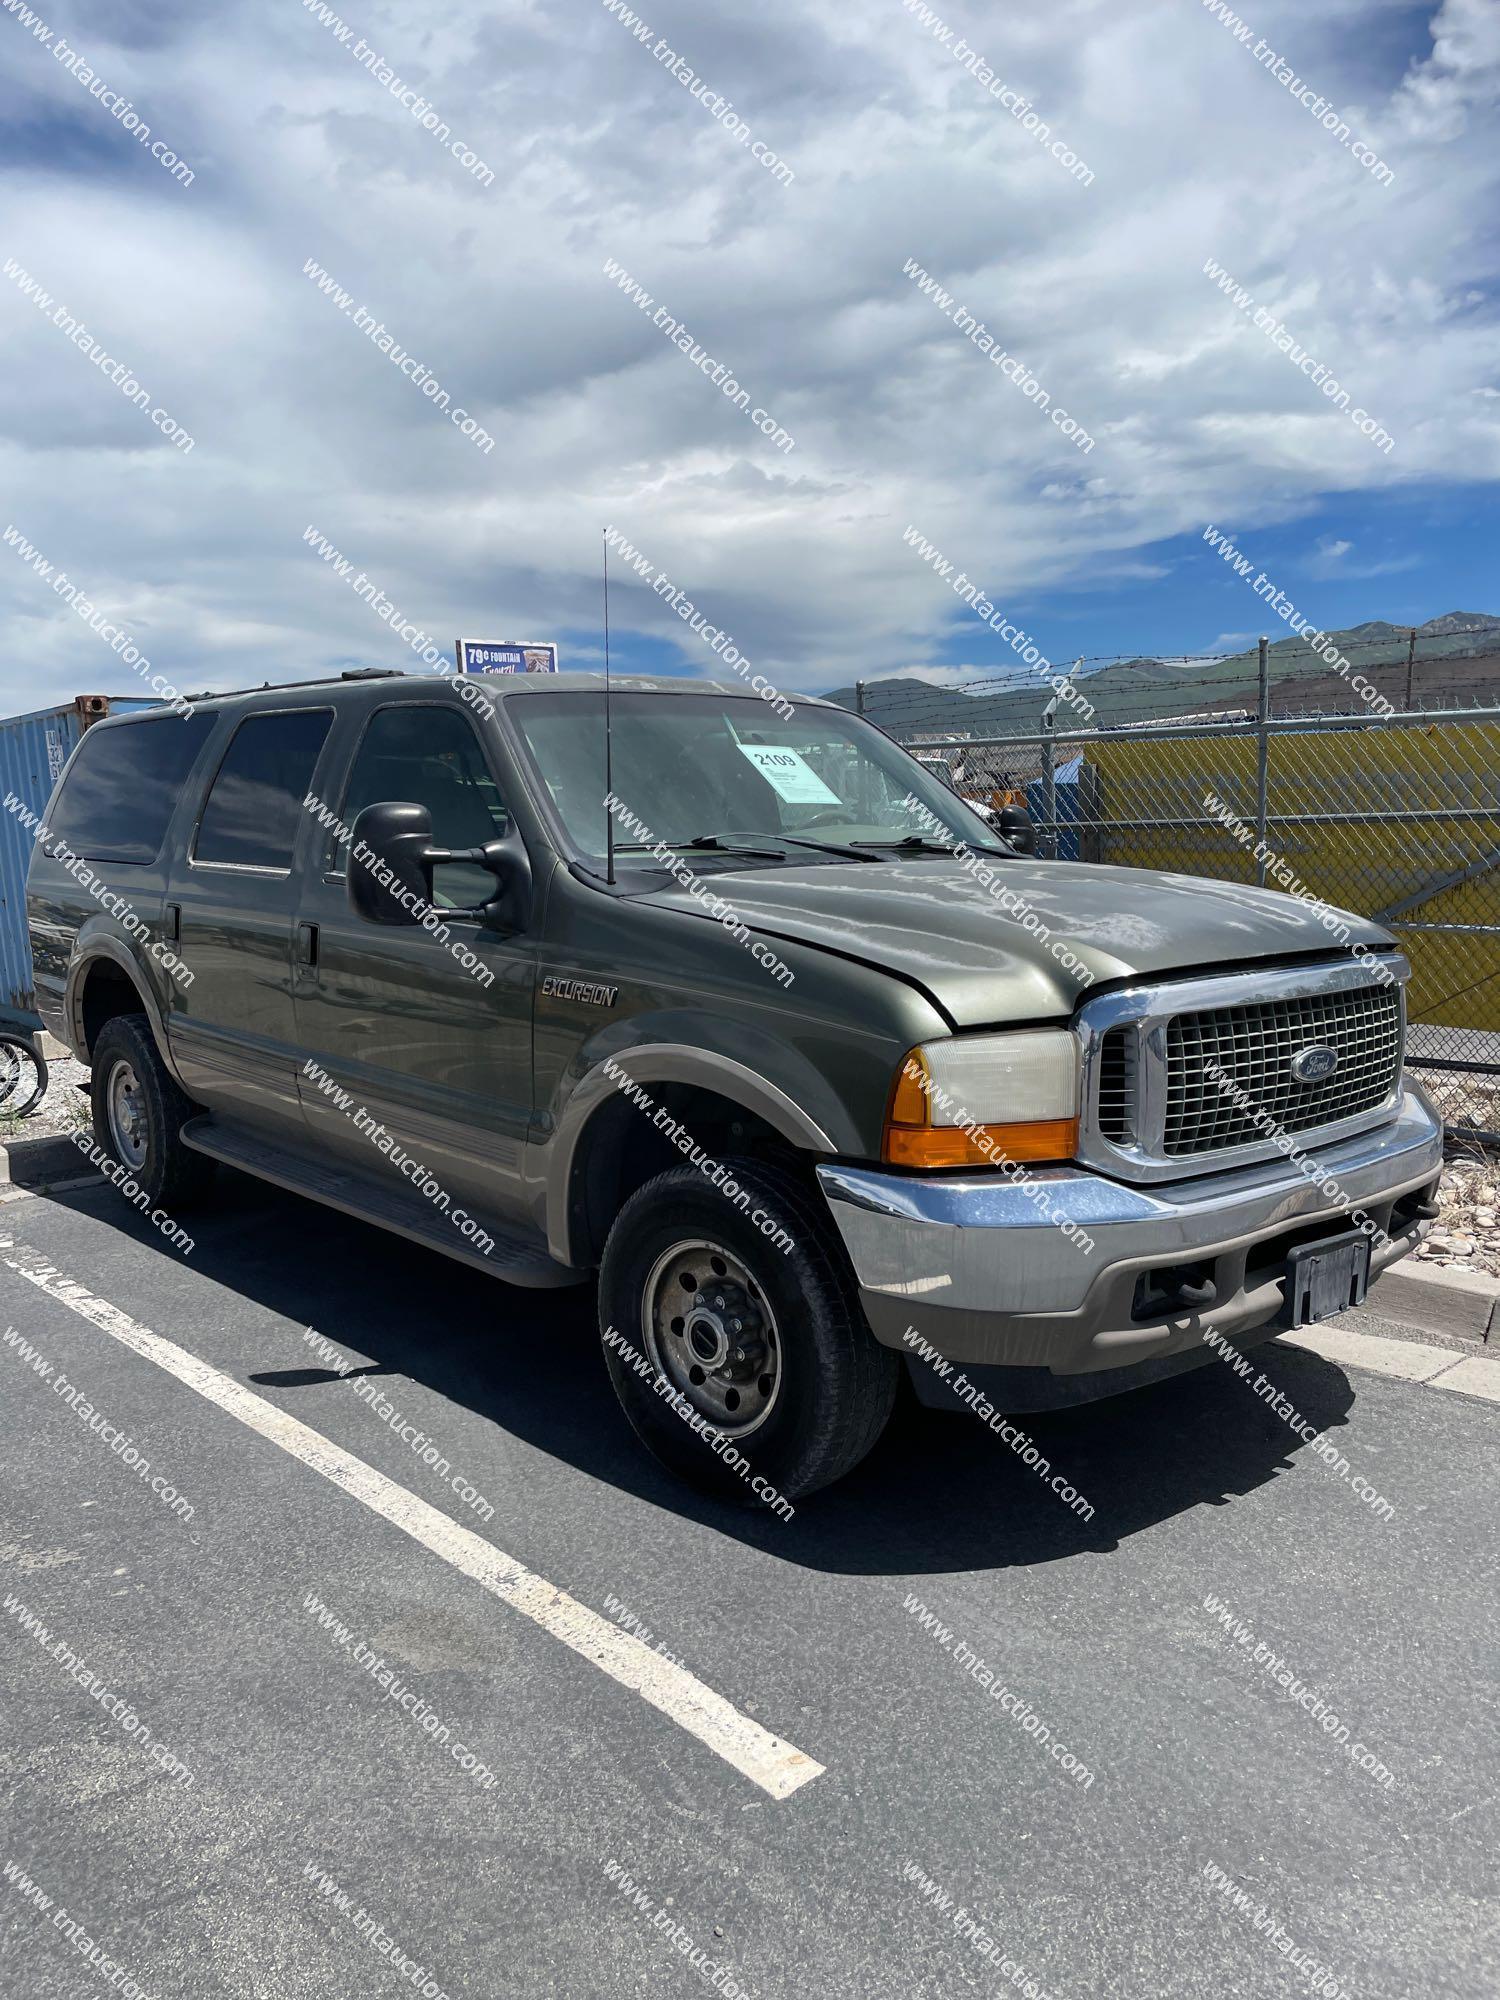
{"x": 1395, "y": 816}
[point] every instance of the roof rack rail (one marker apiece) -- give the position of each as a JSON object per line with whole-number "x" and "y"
{"x": 318, "y": 680}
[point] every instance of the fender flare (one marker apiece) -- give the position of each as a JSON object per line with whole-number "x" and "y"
{"x": 102, "y": 945}
{"x": 670, "y": 1062}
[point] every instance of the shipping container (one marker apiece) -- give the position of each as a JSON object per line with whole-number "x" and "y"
{"x": 33, "y": 750}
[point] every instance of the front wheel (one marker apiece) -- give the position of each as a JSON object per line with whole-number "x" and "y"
{"x": 733, "y": 1334}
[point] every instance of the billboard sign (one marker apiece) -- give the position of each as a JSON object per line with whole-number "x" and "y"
{"x": 511, "y": 656}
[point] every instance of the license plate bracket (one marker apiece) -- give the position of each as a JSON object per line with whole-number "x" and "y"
{"x": 1326, "y": 1278}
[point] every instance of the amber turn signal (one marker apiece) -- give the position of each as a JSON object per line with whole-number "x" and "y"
{"x": 1048, "y": 1139}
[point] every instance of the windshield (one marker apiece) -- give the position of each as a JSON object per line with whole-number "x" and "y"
{"x": 689, "y": 766}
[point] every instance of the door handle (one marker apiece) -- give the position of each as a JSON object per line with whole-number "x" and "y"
{"x": 307, "y": 944}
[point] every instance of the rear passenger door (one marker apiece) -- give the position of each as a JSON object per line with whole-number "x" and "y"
{"x": 236, "y": 890}
{"x": 429, "y": 1039}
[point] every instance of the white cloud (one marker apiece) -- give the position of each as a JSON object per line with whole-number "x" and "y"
{"x": 598, "y": 153}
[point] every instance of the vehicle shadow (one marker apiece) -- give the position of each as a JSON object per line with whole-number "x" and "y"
{"x": 940, "y": 1493}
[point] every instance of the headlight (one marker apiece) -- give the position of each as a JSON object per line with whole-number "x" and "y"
{"x": 979, "y": 1100}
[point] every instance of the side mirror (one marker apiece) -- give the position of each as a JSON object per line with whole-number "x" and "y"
{"x": 391, "y": 859}
{"x": 1016, "y": 828}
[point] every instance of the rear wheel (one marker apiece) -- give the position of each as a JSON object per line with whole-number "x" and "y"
{"x": 139, "y": 1113}
{"x": 737, "y": 1346}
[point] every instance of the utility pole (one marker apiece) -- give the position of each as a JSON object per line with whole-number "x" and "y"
{"x": 1411, "y": 654}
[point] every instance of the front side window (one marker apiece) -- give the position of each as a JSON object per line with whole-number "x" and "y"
{"x": 118, "y": 796}
{"x": 255, "y": 803}
{"x": 423, "y": 755}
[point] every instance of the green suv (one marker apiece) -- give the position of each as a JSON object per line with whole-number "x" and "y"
{"x": 737, "y": 1006}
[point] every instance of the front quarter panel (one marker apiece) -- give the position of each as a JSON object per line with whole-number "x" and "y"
{"x": 814, "y": 1058}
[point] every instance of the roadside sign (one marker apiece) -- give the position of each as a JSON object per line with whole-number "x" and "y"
{"x": 512, "y": 656}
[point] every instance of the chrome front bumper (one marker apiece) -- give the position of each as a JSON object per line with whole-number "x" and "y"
{"x": 993, "y": 1275}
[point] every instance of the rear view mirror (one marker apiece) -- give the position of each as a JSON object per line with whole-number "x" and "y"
{"x": 391, "y": 862}
{"x": 390, "y": 878}
{"x": 1016, "y": 828}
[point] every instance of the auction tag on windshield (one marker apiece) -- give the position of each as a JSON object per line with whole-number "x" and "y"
{"x": 794, "y": 778}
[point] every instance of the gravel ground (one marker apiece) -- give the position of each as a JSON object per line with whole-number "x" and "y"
{"x": 62, "y": 1110}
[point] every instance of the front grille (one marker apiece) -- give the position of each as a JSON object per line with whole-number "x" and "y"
{"x": 1253, "y": 1047}
{"x": 1118, "y": 1063}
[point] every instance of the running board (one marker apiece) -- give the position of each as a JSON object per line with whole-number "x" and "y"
{"x": 517, "y": 1259}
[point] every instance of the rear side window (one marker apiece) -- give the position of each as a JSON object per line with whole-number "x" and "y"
{"x": 254, "y": 805}
{"x": 117, "y": 798}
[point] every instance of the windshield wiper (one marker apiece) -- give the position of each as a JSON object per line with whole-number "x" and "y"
{"x": 918, "y": 843}
{"x": 733, "y": 844}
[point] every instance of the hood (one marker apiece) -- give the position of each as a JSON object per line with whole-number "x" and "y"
{"x": 1072, "y": 926}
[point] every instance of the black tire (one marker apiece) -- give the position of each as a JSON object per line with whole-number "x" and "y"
{"x": 172, "y": 1174}
{"x": 23, "y": 1077}
{"x": 834, "y": 1384}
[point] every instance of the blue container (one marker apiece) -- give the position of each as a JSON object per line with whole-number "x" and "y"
{"x": 33, "y": 750}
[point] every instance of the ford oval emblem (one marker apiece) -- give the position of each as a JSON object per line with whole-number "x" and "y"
{"x": 1311, "y": 1065}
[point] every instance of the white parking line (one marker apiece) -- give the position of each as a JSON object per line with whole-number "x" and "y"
{"x": 777, "y": 1767}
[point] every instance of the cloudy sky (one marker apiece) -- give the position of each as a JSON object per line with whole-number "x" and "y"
{"x": 578, "y": 150}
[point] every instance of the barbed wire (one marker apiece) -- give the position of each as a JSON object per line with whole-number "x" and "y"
{"x": 1140, "y": 687}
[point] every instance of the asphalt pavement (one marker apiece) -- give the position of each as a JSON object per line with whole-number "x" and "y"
{"x": 311, "y": 1739}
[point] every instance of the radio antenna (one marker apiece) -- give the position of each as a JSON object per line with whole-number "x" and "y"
{"x": 609, "y": 775}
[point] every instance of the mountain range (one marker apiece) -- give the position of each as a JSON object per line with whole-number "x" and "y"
{"x": 1455, "y": 656}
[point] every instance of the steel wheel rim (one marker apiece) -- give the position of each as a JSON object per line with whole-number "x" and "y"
{"x": 715, "y": 1339}
{"x": 127, "y": 1115}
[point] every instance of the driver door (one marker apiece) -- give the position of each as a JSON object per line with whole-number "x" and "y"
{"x": 432, "y": 1047}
